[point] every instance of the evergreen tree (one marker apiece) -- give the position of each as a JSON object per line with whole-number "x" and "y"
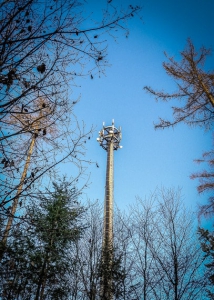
{"x": 207, "y": 244}
{"x": 38, "y": 261}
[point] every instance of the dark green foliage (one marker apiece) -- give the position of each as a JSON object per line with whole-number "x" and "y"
{"x": 207, "y": 245}
{"x": 38, "y": 261}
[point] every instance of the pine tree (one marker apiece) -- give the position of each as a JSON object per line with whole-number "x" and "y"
{"x": 207, "y": 244}
{"x": 38, "y": 260}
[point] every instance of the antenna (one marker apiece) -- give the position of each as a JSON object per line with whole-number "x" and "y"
{"x": 110, "y": 134}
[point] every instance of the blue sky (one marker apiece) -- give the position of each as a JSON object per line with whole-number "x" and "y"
{"x": 149, "y": 158}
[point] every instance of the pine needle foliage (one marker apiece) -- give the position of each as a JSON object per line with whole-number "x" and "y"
{"x": 38, "y": 261}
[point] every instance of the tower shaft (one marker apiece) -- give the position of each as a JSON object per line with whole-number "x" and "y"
{"x": 109, "y": 192}
{"x": 107, "y": 255}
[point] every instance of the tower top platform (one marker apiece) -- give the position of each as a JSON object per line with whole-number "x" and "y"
{"x": 110, "y": 134}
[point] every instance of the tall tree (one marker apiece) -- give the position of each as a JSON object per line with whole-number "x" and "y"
{"x": 177, "y": 252}
{"x": 168, "y": 261}
{"x": 44, "y": 47}
{"x": 90, "y": 265}
{"x": 143, "y": 215}
{"x": 124, "y": 243}
{"x": 38, "y": 261}
{"x": 195, "y": 93}
{"x": 207, "y": 243}
{"x": 25, "y": 169}
{"x": 194, "y": 89}
{"x": 88, "y": 251}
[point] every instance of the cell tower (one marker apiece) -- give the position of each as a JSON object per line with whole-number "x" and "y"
{"x": 109, "y": 139}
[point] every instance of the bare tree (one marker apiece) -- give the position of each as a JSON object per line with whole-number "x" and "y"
{"x": 168, "y": 261}
{"x": 44, "y": 47}
{"x": 88, "y": 251}
{"x": 89, "y": 267}
{"x": 124, "y": 239}
{"x": 40, "y": 40}
{"x": 177, "y": 253}
{"x": 44, "y": 146}
{"x": 144, "y": 277}
{"x": 195, "y": 89}
{"x": 195, "y": 92}
{"x": 159, "y": 254}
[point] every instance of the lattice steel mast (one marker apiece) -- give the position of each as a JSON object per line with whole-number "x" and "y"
{"x": 109, "y": 138}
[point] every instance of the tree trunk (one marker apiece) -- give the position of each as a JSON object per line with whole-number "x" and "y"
{"x": 41, "y": 280}
{"x": 19, "y": 190}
